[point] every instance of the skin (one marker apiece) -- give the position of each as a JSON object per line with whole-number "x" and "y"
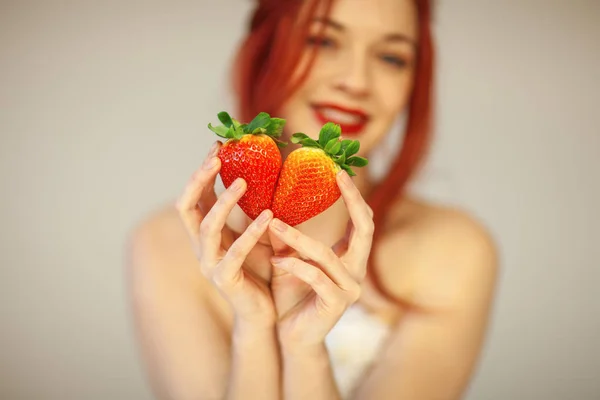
{"x": 214, "y": 294}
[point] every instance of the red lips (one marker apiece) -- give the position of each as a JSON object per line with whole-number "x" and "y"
{"x": 352, "y": 123}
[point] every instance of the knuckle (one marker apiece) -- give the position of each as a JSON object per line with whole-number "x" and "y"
{"x": 235, "y": 252}
{"x": 368, "y": 228}
{"x": 205, "y": 227}
{"x": 314, "y": 277}
{"x": 370, "y": 211}
{"x": 295, "y": 236}
{"x": 222, "y": 200}
{"x": 219, "y": 281}
{"x": 255, "y": 231}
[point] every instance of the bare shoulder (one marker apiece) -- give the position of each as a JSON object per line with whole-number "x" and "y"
{"x": 159, "y": 235}
{"x": 454, "y": 230}
{"x": 160, "y": 257}
{"x": 443, "y": 250}
{"x": 161, "y": 224}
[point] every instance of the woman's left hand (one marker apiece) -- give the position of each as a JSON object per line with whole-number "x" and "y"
{"x": 334, "y": 279}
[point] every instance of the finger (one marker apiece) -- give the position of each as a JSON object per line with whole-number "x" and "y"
{"x": 229, "y": 268}
{"x": 279, "y": 249}
{"x": 359, "y": 245}
{"x": 278, "y": 246}
{"x": 208, "y": 197}
{"x": 213, "y": 223}
{"x": 324, "y": 287}
{"x": 314, "y": 250}
{"x": 341, "y": 246}
{"x": 199, "y": 188}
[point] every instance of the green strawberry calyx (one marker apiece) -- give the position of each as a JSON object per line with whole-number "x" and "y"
{"x": 263, "y": 123}
{"x": 342, "y": 152}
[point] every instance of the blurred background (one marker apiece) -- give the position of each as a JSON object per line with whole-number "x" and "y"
{"x": 103, "y": 113}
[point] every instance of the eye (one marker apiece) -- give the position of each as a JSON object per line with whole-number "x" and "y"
{"x": 320, "y": 41}
{"x": 394, "y": 60}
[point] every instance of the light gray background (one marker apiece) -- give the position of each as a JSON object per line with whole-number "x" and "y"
{"x": 103, "y": 112}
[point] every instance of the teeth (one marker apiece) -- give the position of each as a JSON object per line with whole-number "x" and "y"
{"x": 340, "y": 116}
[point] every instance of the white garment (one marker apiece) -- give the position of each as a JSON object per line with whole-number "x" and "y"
{"x": 353, "y": 344}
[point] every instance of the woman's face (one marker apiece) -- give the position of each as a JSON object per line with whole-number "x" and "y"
{"x": 363, "y": 74}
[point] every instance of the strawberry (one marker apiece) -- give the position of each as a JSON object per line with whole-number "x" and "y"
{"x": 251, "y": 152}
{"x": 307, "y": 185}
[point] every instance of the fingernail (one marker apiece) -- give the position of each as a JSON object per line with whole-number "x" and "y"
{"x": 345, "y": 178}
{"x": 279, "y": 225}
{"x": 238, "y": 184}
{"x": 276, "y": 260}
{"x": 213, "y": 150}
{"x": 263, "y": 217}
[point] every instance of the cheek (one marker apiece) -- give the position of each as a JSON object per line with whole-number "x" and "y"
{"x": 393, "y": 92}
{"x": 297, "y": 111}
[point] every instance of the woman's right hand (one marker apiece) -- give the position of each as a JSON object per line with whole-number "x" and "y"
{"x": 223, "y": 257}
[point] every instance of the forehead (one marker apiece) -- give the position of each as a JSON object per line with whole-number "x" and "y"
{"x": 376, "y": 17}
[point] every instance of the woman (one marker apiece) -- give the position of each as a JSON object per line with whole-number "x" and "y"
{"x": 394, "y": 307}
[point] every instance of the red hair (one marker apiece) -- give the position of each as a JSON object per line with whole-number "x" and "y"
{"x": 262, "y": 76}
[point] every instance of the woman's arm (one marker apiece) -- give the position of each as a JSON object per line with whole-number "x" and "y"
{"x": 307, "y": 374}
{"x": 188, "y": 350}
{"x": 255, "y": 371}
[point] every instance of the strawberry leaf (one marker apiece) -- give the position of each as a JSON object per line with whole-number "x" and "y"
{"x": 260, "y": 121}
{"x": 261, "y": 124}
{"x": 308, "y": 142}
{"x": 346, "y": 143}
{"x": 329, "y": 145}
{"x": 357, "y": 161}
{"x": 219, "y": 130}
{"x": 225, "y": 118}
{"x": 275, "y": 127}
{"x": 340, "y": 151}
{"x": 280, "y": 143}
{"x": 237, "y": 131}
{"x": 328, "y": 132}
{"x": 297, "y": 137}
{"x": 347, "y": 169}
{"x": 352, "y": 148}
{"x": 335, "y": 149}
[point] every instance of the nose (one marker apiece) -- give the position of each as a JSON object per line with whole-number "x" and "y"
{"x": 353, "y": 75}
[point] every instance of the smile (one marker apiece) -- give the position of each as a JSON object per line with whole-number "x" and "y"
{"x": 352, "y": 121}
